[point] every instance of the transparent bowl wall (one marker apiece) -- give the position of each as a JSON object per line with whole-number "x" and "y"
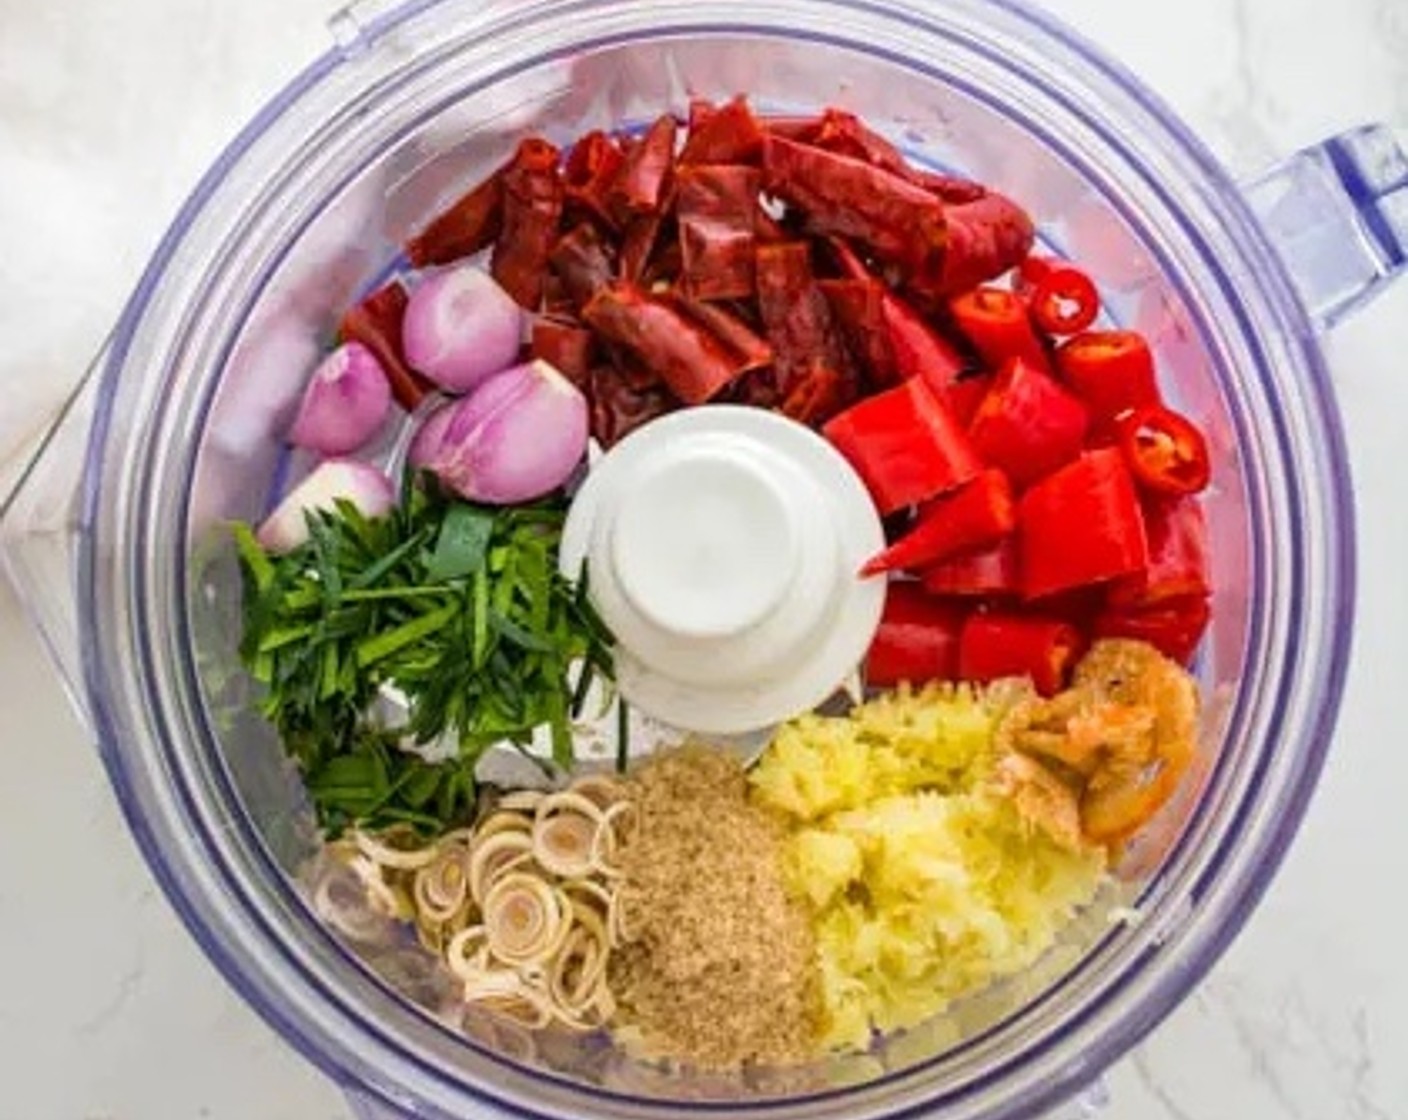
{"x": 307, "y": 209}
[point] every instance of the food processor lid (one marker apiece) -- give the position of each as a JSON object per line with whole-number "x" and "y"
{"x": 722, "y": 546}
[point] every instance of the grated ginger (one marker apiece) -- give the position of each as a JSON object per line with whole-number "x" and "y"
{"x": 922, "y": 881}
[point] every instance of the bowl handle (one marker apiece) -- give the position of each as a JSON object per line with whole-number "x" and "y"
{"x": 1338, "y": 214}
{"x": 41, "y": 525}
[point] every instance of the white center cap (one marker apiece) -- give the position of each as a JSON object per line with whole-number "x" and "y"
{"x": 721, "y": 546}
{"x": 705, "y": 544}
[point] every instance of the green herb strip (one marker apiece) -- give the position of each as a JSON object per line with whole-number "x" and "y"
{"x": 460, "y": 606}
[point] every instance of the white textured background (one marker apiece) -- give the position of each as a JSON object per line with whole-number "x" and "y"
{"x": 109, "y": 111}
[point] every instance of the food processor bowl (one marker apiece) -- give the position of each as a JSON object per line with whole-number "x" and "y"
{"x": 118, "y": 540}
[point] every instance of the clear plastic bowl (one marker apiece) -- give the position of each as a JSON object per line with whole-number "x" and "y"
{"x": 182, "y": 418}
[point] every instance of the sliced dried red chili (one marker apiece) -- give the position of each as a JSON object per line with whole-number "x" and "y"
{"x": 714, "y": 207}
{"x": 813, "y": 368}
{"x": 471, "y": 224}
{"x": 532, "y": 206}
{"x": 686, "y": 357}
{"x": 590, "y": 172}
{"x": 748, "y": 350}
{"x": 643, "y": 183}
{"x": 585, "y": 261}
{"x": 891, "y": 216}
{"x": 859, "y": 309}
{"x": 726, "y": 134}
{"x": 918, "y": 349}
{"x": 618, "y": 408}
{"x": 566, "y": 346}
{"x": 376, "y": 324}
{"x": 1166, "y": 451}
{"x": 982, "y": 240}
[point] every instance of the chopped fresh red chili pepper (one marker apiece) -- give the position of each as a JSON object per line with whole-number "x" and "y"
{"x": 1000, "y": 644}
{"x": 905, "y": 445}
{"x": 1111, "y": 371}
{"x": 917, "y": 640}
{"x": 687, "y": 358}
{"x": 715, "y": 205}
{"x": 532, "y": 207}
{"x": 618, "y": 408}
{"x": 859, "y": 309}
{"x": 1166, "y": 451}
{"x": 1081, "y": 525}
{"x": 590, "y": 172}
{"x": 1027, "y": 424}
{"x": 919, "y": 351}
{"x": 1062, "y": 298}
{"x": 991, "y": 572}
{"x": 727, "y": 134}
{"x": 967, "y": 393}
{"x": 376, "y": 324}
{"x": 995, "y": 321}
{"x": 565, "y": 346}
{"x": 469, "y": 225}
{"x": 585, "y": 261}
{"x": 1178, "y": 557}
{"x": 1173, "y": 627}
{"x": 889, "y": 215}
{"x": 806, "y": 344}
{"x": 642, "y": 186}
{"x": 983, "y": 239}
{"x": 978, "y": 513}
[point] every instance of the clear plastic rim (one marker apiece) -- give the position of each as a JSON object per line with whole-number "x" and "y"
{"x": 1133, "y": 1022}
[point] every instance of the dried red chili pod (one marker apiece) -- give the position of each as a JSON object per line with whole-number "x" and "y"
{"x": 468, "y": 226}
{"x": 729, "y": 133}
{"x": 376, "y": 324}
{"x": 585, "y": 261}
{"x": 643, "y": 184}
{"x": 714, "y": 208}
{"x": 686, "y": 357}
{"x": 532, "y": 210}
{"x": 590, "y": 171}
{"x": 566, "y": 346}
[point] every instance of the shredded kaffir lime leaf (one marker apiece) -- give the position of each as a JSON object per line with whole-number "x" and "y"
{"x": 459, "y": 606}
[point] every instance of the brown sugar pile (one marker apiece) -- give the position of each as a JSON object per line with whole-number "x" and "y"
{"x": 718, "y": 966}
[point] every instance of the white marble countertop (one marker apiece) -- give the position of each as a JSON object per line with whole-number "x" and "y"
{"x": 107, "y": 115}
